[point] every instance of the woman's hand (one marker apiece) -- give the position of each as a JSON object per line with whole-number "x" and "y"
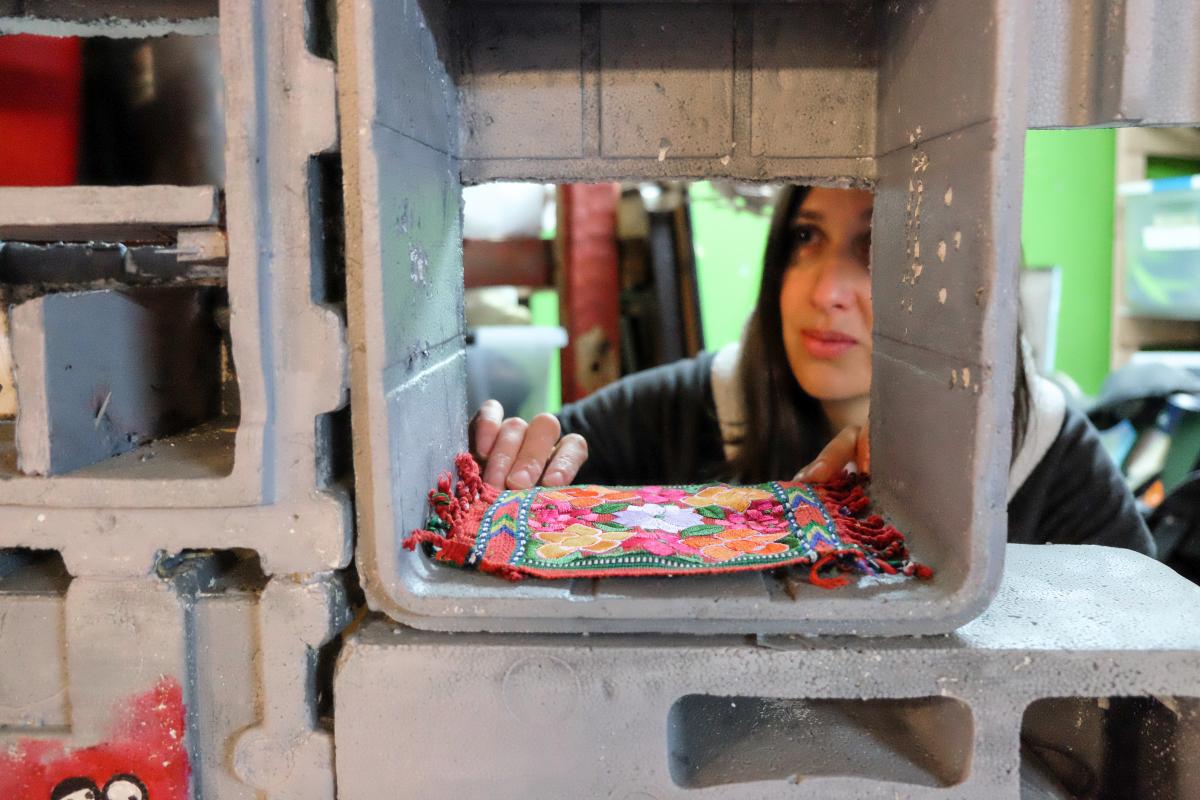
{"x": 517, "y": 454}
{"x": 850, "y": 447}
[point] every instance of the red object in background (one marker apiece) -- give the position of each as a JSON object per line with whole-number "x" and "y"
{"x": 147, "y": 741}
{"x": 40, "y": 91}
{"x": 589, "y": 291}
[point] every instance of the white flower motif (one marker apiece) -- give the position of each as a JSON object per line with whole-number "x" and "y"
{"x": 655, "y": 517}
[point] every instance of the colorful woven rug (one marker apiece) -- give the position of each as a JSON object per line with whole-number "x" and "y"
{"x": 610, "y": 531}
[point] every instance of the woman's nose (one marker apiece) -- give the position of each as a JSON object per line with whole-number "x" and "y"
{"x": 834, "y": 286}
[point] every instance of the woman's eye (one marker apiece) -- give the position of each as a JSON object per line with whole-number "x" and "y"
{"x": 805, "y": 235}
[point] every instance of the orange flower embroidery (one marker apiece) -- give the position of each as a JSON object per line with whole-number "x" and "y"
{"x": 733, "y": 542}
{"x": 588, "y": 496}
{"x": 737, "y": 498}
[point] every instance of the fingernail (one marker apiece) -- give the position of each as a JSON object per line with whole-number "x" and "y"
{"x": 552, "y": 478}
{"x": 519, "y": 479}
{"x": 812, "y": 469}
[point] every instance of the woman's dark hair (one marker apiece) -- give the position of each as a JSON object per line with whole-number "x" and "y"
{"x": 785, "y": 426}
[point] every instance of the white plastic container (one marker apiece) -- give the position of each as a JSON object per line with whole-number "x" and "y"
{"x": 511, "y": 363}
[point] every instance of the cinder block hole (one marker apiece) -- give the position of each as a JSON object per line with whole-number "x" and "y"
{"x": 151, "y": 112}
{"x": 26, "y": 571}
{"x": 214, "y": 571}
{"x": 134, "y": 383}
{"x": 718, "y": 741}
{"x": 1111, "y": 748}
{"x": 320, "y": 24}
{"x": 328, "y": 233}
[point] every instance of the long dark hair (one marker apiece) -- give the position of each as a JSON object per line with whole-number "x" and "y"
{"x": 784, "y": 427}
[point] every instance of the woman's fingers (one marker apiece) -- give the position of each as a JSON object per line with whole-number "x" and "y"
{"x": 568, "y": 458}
{"x": 504, "y": 451}
{"x": 515, "y": 453}
{"x": 485, "y": 427}
{"x": 540, "y": 437}
{"x": 836, "y": 456}
{"x": 862, "y": 451}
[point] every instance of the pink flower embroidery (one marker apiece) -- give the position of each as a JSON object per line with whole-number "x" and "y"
{"x": 660, "y": 543}
{"x": 661, "y": 495}
{"x": 556, "y": 516}
{"x": 762, "y": 516}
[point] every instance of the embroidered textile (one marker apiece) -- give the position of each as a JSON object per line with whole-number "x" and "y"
{"x": 608, "y": 531}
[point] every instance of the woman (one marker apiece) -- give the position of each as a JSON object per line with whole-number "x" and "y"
{"x": 795, "y": 393}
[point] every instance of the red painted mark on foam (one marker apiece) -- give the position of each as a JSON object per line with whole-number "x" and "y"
{"x": 146, "y": 741}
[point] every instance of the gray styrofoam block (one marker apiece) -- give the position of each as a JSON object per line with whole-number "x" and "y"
{"x": 99, "y": 373}
{"x": 938, "y": 67}
{"x": 538, "y": 75}
{"x": 288, "y": 755}
{"x": 289, "y": 350}
{"x": 107, "y": 213}
{"x": 132, "y": 10}
{"x": 420, "y": 239}
{"x": 1118, "y": 62}
{"x": 683, "y": 81}
{"x": 666, "y": 80}
{"x": 406, "y": 87}
{"x": 940, "y": 468}
{"x": 942, "y": 279}
{"x": 661, "y": 69}
{"x": 814, "y": 80}
{"x": 244, "y": 660}
{"x": 635, "y": 717}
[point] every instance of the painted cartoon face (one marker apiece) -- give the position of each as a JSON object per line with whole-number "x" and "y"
{"x": 125, "y": 787}
{"x": 76, "y": 789}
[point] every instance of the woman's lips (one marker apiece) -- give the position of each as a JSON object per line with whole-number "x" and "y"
{"x": 826, "y": 344}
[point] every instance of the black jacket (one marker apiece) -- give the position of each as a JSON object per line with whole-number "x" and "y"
{"x": 660, "y": 427}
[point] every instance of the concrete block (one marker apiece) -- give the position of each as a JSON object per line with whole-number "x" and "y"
{"x": 288, "y": 346}
{"x": 201, "y": 682}
{"x": 666, "y": 81}
{"x": 107, "y": 213}
{"x": 101, "y": 372}
{"x": 667, "y": 717}
{"x": 289, "y": 754}
{"x": 1114, "y": 63}
{"x": 929, "y": 95}
{"x": 539, "y": 77}
{"x": 814, "y": 81}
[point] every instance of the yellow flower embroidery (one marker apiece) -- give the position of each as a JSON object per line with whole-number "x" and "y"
{"x": 737, "y": 498}
{"x": 578, "y": 538}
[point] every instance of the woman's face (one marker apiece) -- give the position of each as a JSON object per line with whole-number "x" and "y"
{"x": 825, "y": 302}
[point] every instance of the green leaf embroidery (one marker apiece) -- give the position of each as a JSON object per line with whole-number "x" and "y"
{"x": 609, "y": 508}
{"x": 701, "y": 530}
{"x": 610, "y": 526}
{"x": 712, "y": 512}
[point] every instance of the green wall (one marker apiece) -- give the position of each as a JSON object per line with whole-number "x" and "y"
{"x": 729, "y": 247}
{"x": 1067, "y": 221}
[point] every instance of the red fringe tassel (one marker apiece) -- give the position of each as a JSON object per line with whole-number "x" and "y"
{"x": 461, "y": 512}
{"x": 883, "y": 546}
